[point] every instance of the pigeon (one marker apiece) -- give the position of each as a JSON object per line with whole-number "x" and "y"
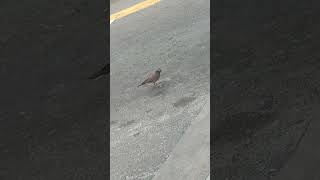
{"x": 152, "y": 78}
{"x": 105, "y": 70}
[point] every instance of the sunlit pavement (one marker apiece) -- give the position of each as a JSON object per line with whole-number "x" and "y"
{"x": 147, "y": 123}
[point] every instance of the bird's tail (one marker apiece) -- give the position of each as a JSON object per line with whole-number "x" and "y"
{"x": 141, "y": 84}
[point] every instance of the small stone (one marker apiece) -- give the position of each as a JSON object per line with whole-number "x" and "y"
{"x": 272, "y": 170}
{"x": 22, "y": 113}
{"x": 52, "y": 132}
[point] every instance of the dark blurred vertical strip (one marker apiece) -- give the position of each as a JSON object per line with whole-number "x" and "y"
{"x": 53, "y": 119}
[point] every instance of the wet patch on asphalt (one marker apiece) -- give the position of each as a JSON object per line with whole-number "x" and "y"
{"x": 128, "y": 123}
{"x": 182, "y": 102}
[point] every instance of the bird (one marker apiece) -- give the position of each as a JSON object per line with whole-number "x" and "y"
{"x": 152, "y": 78}
{"x": 105, "y": 70}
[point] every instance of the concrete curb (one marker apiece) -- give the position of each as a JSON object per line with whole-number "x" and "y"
{"x": 190, "y": 159}
{"x": 208, "y": 178}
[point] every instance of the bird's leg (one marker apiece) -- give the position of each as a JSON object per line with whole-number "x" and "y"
{"x": 157, "y": 84}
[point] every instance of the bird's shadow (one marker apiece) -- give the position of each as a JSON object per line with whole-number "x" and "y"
{"x": 160, "y": 89}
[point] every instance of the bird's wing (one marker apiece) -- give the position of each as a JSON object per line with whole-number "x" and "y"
{"x": 148, "y": 80}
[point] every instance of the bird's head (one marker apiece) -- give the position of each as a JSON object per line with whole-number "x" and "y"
{"x": 158, "y": 70}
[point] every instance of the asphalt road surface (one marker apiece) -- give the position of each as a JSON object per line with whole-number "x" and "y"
{"x": 53, "y": 119}
{"x": 266, "y": 90}
{"x": 148, "y": 122}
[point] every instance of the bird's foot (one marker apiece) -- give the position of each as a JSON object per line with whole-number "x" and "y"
{"x": 158, "y": 84}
